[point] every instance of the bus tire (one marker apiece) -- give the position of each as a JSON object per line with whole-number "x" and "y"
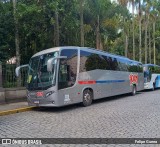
{"x": 134, "y": 90}
{"x": 87, "y": 98}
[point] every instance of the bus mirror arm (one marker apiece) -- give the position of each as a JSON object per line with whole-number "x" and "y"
{"x": 17, "y": 70}
{"x": 50, "y": 62}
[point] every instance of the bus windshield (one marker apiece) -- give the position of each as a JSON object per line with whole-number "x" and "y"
{"x": 38, "y": 76}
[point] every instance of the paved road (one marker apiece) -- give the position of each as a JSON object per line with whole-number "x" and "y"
{"x": 117, "y": 117}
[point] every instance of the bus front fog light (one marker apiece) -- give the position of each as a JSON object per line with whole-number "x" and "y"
{"x": 49, "y": 93}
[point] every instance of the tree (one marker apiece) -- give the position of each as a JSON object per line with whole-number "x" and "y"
{"x": 16, "y": 39}
{"x": 124, "y": 3}
{"x": 81, "y": 22}
{"x": 146, "y": 8}
{"x": 95, "y": 23}
{"x": 140, "y": 30}
{"x": 7, "y": 41}
{"x": 133, "y": 27}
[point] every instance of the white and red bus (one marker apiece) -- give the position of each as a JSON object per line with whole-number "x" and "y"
{"x": 67, "y": 75}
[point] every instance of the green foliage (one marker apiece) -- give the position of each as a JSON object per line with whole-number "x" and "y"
{"x": 6, "y": 31}
{"x": 36, "y": 25}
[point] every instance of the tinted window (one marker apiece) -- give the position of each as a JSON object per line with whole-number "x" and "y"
{"x": 91, "y": 61}
{"x": 67, "y": 68}
{"x": 123, "y": 65}
{"x": 154, "y": 69}
{"x": 86, "y": 61}
{"x": 114, "y": 64}
{"x": 135, "y": 67}
{"x": 108, "y": 62}
{"x": 140, "y": 68}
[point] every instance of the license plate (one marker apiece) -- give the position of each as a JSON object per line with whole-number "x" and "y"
{"x": 36, "y": 102}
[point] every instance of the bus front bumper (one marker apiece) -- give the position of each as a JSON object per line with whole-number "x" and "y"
{"x": 43, "y": 102}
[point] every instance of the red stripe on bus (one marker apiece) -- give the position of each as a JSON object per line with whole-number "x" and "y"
{"x": 87, "y": 82}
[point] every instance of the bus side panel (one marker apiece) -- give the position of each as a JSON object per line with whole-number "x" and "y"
{"x": 140, "y": 85}
{"x": 104, "y": 83}
{"x": 158, "y": 81}
{"x": 109, "y": 83}
{"x": 70, "y": 95}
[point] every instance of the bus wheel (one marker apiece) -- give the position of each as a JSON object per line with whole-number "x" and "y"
{"x": 87, "y": 97}
{"x": 134, "y": 90}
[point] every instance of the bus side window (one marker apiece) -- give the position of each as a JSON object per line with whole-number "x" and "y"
{"x": 67, "y": 69}
{"x": 63, "y": 73}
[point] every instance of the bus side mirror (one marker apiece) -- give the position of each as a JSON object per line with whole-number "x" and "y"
{"x": 50, "y": 62}
{"x": 17, "y": 70}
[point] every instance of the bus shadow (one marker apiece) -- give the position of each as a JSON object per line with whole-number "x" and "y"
{"x": 116, "y": 97}
{"x": 150, "y": 90}
{"x": 79, "y": 105}
{"x": 58, "y": 109}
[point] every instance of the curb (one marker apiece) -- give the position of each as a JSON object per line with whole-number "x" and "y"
{"x": 2, "y": 113}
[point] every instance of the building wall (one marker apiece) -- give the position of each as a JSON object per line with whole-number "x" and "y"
{"x": 12, "y": 95}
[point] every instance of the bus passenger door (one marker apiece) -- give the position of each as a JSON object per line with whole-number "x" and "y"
{"x": 67, "y": 76}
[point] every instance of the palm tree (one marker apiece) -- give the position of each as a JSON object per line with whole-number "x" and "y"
{"x": 57, "y": 27}
{"x": 146, "y": 9}
{"x": 149, "y": 39}
{"x": 155, "y": 16}
{"x": 98, "y": 9}
{"x": 154, "y": 44}
{"x": 124, "y": 3}
{"x": 133, "y": 27}
{"x": 140, "y": 30}
{"x": 81, "y": 22}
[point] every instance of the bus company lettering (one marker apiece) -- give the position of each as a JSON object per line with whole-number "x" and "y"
{"x": 133, "y": 78}
{"x": 39, "y": 94}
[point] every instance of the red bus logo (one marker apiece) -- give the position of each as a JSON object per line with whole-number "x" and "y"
{"x": 133, "y": 78}
{"x": 39, "y": 94}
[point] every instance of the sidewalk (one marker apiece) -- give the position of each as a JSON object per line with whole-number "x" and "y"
{"x": 6, "y": 109}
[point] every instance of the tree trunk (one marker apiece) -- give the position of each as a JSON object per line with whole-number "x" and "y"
{"x": 140, "y": 33}
{"x": 146, "y": 31}
{"x": 16, "y": 41}
{"x": 126, "y": 45}
{"x": 57, "y": 28}
{"x": 101, "y": 44}
{"x": 149, "y": 35}
{"x": 54, "y": 36}
{"x": 154, "y": 44}
{"x": 133, "y": 30}
{"x": 97, "y": 34}
{"x": 82, "y": 25}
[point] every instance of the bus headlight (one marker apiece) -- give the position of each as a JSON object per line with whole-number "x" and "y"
{"x": 49, "y": 93}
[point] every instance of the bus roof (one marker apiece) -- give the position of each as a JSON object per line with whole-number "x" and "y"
{"x": 151, "y": 65}
{"x": 86, "y": 49}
